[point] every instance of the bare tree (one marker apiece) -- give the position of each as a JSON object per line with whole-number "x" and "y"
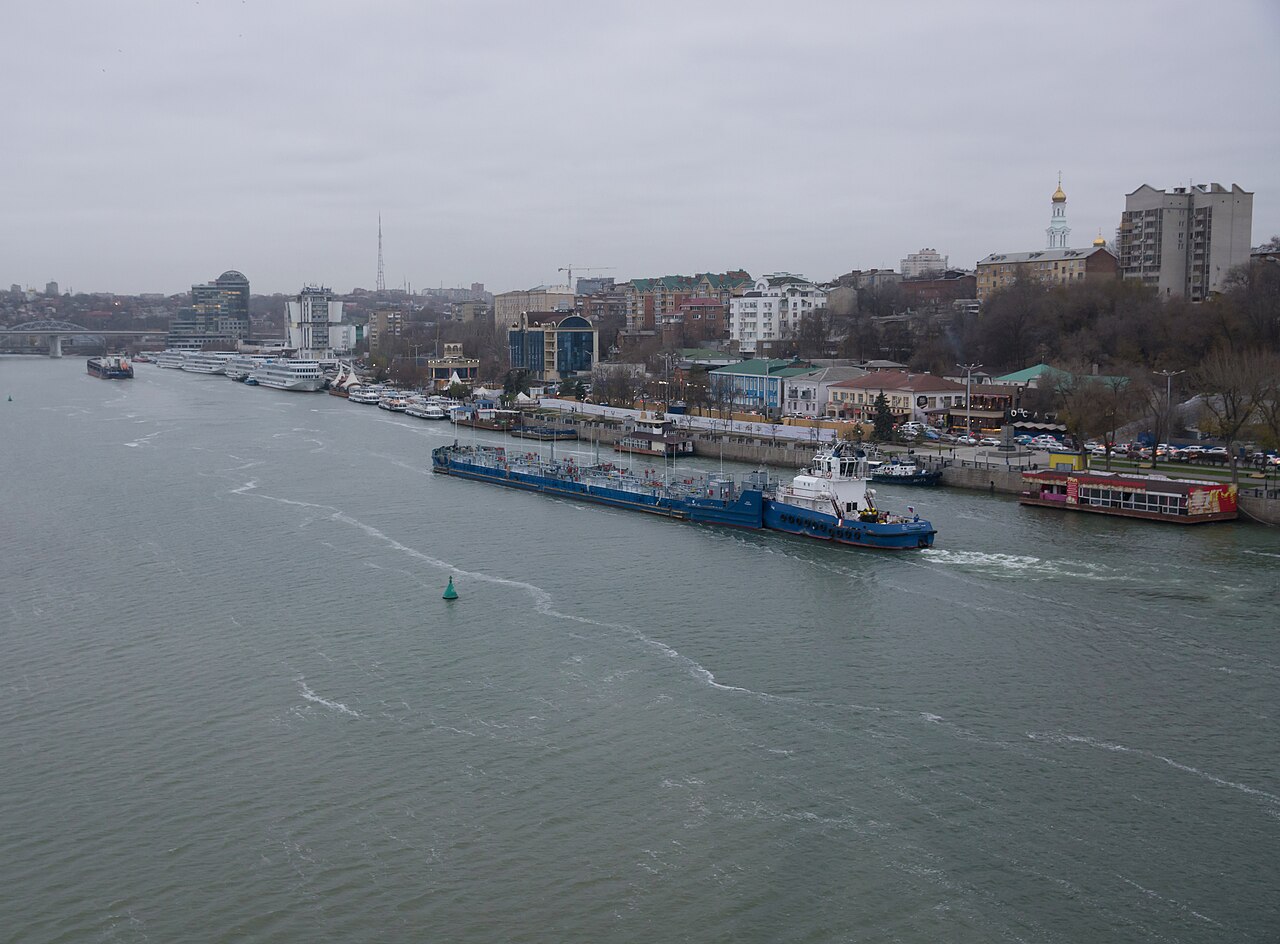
{"x": 1086, "y": 405}
{"x": 1232, "y": 387}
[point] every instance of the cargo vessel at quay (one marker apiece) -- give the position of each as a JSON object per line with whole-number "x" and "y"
{"x": 829, "y": 501}
{"x": 111, "y": 367}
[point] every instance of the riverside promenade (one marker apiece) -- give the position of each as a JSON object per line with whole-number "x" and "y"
{"x": 787, "y": 446}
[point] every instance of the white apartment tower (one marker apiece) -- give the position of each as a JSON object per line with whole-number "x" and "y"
{"x": 772, "y": 310}
{"x": 922, "y": 263}
{"x": 1058, "y": 232}
{"x": 1184, "y": 241}
{"x": 315, "y": 328}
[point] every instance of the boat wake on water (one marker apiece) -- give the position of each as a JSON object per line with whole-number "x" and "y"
{"x": 1057, "y": 738}
{"x": 543, "y": 601}
{"x": 311, "y": 696}
{"x": 1023, "y": 566}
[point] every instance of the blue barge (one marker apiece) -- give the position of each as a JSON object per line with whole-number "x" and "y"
{"x": 829, "y": 501}
{"x": 713, "y": 498}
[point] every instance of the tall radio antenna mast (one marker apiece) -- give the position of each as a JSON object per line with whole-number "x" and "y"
{"x": 382, "y": 282}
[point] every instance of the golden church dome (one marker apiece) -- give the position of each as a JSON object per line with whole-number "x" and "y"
{"x": 1099, "y": 241}
{"x": 1058, "y": 195}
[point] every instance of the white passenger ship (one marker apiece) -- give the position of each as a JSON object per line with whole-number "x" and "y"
{"x": 171, "y": 359}
{"x": 289, "y": 375}
{"x": 242, "y": 365}
{"x": 207, "y": 362}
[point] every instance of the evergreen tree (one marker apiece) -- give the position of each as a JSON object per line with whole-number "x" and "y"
{"x": 883, "y": 419}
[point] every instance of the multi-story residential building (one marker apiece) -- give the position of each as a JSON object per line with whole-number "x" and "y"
{"x": 315, "y": 324}
{"x": 1053, "y": 266}
{"x": 1185, "y": 241}
{"x": 938, "y": 290}
{"x": 508, "y": 305}
{"x": 218, "y": 316}
{"x": 552, "y": 345}
{"x": 772, "y": 310}
{"x": 600, "y": 306}
{"x": 594, "y": 286}
{"x": 925, "y": 262}
{"x": 808, "y": 393}
{"x": 648, "y": 301}
{"x": 756, "y": 384}
{"x": 695, "y": 320}
{"x": 385, "y": 325}
{"x": 910, "y": 396}
{"x": 470, "y": 311}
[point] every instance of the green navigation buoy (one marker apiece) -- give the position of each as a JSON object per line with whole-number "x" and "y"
{"x": 449, "y": 592}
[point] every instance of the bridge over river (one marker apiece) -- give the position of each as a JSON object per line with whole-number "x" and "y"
{"x": 54, "y": 332}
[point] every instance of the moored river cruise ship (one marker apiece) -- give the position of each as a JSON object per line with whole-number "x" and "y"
{"x": 1151, "y": 497}
{"x": 304, "y": 376}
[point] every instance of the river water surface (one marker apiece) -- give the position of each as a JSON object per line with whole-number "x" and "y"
{"x": 233, "y": 706}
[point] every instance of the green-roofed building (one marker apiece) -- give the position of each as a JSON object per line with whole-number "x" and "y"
{"x": 756, "y": 384}
{"x": 1045, "y": 375}
{"x": 648, "y": 300}
{"x": 1028, "y": 375}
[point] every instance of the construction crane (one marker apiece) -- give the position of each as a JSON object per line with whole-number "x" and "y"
{"x": 570, "y": 267}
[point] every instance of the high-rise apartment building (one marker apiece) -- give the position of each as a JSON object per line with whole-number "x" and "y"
{"x": 385, "y": 325}
{"x": 1184, "y": 241}
{"x": 315, "y": 325}
{"x": 772, "y": 311}
{"x": 925, "y": 262}
{"x": 218, "y": 316}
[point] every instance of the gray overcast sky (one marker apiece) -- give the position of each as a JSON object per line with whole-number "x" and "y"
{"x": 150, "y": 145}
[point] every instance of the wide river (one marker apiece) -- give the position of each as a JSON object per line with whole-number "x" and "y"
{"x": 233, "y": 706}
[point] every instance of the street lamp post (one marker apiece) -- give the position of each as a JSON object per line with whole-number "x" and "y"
{"x": 1168, "y": 376}
{"x": 968, "y": 397}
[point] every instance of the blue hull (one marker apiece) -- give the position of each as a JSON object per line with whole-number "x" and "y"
{"x": 704, "y": 500}
{"x": 742, "y": 509}
{"x": 888, "y": 535}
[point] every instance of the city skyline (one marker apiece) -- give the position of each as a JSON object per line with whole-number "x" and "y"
{"x": 500, "y": 144}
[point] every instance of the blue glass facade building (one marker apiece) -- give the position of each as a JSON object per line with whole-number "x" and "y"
{"x": 552, "y": 345}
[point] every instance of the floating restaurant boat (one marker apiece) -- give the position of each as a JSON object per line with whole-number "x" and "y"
{"x": 1150, "y": 497}
{"x": 653, "y": 436}
{"x": 111, "y": 367}
{"x": 502, "y": 421}
{"x": 830, "y": 501}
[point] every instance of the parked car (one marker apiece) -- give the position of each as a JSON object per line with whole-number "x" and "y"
{"x": 989, "y": 441}
{"x": 964, "y": 439}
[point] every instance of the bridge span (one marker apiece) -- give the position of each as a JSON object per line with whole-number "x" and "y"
{"x": 54, "y": 331}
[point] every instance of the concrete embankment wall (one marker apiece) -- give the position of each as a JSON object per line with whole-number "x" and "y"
{"x": 1006, "y": 481}
{"x": 1263, "y": 507}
